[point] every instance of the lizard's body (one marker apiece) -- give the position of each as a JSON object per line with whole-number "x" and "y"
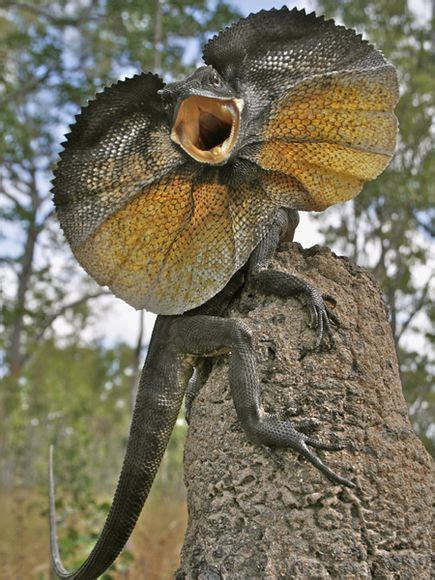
{"x": 175, "y": 197}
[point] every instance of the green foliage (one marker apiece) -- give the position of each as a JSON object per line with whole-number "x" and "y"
{"x": 390, "y": 226}
{"x": 76, "y": 397}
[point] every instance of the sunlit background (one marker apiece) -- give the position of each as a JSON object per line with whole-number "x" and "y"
{"x": 70, "y": 352}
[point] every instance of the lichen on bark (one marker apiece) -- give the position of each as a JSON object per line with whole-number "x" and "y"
{"x": 255, "y": 512}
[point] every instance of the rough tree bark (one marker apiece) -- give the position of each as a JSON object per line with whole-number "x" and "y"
{"x": 260, "y": 513}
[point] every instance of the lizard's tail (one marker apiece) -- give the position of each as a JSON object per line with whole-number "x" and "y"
{"x": 155, "y": 413}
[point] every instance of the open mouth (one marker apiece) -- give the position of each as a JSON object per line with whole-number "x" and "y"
{"x": 207, "y": 128}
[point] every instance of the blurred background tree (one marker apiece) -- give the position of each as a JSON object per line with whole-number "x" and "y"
{"x": 61, "y": 383}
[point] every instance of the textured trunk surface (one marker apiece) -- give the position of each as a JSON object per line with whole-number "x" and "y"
{"x": 261, "y": 513}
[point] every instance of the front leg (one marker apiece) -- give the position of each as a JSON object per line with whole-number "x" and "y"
{"x": 284, "y": 284}
{"x": 201, "y": 335}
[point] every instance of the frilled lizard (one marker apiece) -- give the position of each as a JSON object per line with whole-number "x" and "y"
{"x": 174, "y": 196}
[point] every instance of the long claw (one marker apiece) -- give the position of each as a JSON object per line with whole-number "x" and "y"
{"x": 314, "y": 316}
{"x": 329, "y": 298}
{"x": 332, "y": 317}
{"x": 317, "y": 462}
{"x": 325, "y": 446}
{"x": 326, "y": 323}
{"x": 319, "y": 333}
{"x": 272, "y": 431}
{"x": 321, "y": 315}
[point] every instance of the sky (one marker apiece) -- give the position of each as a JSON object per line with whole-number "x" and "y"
{"x": 422, "y": 8}
{"x": 247, "y": 6}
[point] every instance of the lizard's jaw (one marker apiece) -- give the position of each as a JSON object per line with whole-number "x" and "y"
{"x": 208, "y": 128}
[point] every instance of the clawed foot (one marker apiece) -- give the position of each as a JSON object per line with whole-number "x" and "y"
{"x": 284, "y": 285}
{"x": 303, "y": 448}
{"x": 321, "y": 315}
{"x": 271, "y": 431}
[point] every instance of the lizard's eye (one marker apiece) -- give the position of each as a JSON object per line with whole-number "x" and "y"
{"x": 215, "y": 79}
{"x": 166, "y": 101}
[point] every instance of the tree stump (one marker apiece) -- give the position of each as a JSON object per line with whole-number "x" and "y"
{"x": 255, "y": 512}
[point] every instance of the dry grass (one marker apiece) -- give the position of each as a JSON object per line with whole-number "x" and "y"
{"x": 155, "y": 543}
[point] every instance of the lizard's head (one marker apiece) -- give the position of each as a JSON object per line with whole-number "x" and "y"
{"x": 204, "y": 115}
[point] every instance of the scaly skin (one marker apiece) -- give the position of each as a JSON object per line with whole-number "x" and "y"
{"x": 176, "y": 196}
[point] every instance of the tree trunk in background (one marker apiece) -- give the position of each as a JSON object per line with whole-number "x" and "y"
{"x": 260, "y": 513}
{"x": 15, "y": 346}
